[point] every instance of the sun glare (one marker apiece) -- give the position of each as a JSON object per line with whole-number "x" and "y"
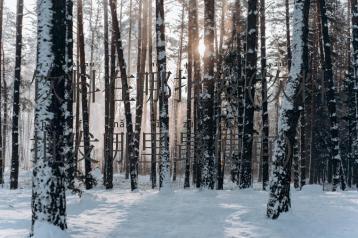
{"x": 201, "y": 48}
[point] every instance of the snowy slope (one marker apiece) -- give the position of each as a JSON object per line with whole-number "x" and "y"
{"x": 191, "y": 214}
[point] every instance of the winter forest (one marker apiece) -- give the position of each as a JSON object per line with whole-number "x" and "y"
{"x": 178, "y": 118}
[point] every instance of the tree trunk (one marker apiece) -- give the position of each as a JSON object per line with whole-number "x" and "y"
{"x": 207, "y": 99}
{"x": 71, "y": 163}
{"x": 16, "y": 99}
{"x": 89, "y": 181}
{"x": 163, "y": 99}
{"x": 2, "y": 160}
{"x": 264, "y": 111}
{"x": 125, "y": 95}
{"x": 48, "y": 189}
{"x": 288, "y": 34}
{"x": 250, "y": 81}
{"x": 331, "y": 101}
{"x": 279, "y": 200}
{"x": 153, "y": 101}
{"x": 355, "y": 82}
{"x": 108, "y": 166}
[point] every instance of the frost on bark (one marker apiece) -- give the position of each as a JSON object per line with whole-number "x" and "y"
{"x": 330, "y": 91}
{"x": 125, "y": 95}
{"x": 279, "y": 200}
{"x": 67, "y": 107}
{"x": 164, "y": 94}
{"x": 16, "y": 99}
{"x": 48, "y": 189}
{"x": 250, "y": 81}
{"x": 207, "y": 99}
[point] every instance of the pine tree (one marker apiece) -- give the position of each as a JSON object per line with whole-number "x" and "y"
{"x": 331, "y": 100}
{"x": 207, "y": 99}
{"x": 250, "y": 81}
{"x": 264, "y": 111}
{"x": 48, "y": 189}
{"x": 89, "y": 181}
{"x": 279, "y": 200}
{"x": 16, "y": 100}
{"x": 355, "y": 81}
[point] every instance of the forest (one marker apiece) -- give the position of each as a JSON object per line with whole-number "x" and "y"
{"x": 178, "y": 118}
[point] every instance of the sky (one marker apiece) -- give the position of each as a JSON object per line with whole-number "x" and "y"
{"x": 12, "y": 3}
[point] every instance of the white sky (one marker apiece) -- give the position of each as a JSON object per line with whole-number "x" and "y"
{"x": 12, "y": 3}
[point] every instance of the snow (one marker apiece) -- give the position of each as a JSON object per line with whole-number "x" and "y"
{"x": 230, "y": 213}
{"x": 44, "y": 229}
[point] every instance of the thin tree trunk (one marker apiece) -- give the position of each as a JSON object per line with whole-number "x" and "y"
{"x": 89, "y": 182}
{"x": 125, "y": 95}
{"x": 153, "y": 102}
{"x": 108, "y": 168}
{"x": 264, "y": 111}
{"x": 2, "y": 160}
{"x": 16, "y": 99}
{"x": 288, "y": 34}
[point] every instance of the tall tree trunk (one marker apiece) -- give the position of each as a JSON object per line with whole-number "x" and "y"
{"x": 288, "y": 34}
{"x": 355, "y": 82}
{"x": 240, "y": 88}
{"x": 108, "y": 166}
{"x": 89, "y": 181}
{"x": 331, "y": 100}
{"x": 189, "y": 102}
{"x": 48, "y": 189}
{"x": 250, "y": 81}
{"x": 279, "y": 200}
{"x": 264, "y": 111}
{"x": 193, "y": 17}
{"x": 16, "y": 99}
{"x": 207, "y": 99}
{"x": 2, "y": 160}
{"x": 164, "y": 95}
{"x": 125, "y": 94}
{"x": 67, "y": 108}
{"x": 153, "y": 101}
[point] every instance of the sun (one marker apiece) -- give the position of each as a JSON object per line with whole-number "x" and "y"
{"x": 201, "y": 48}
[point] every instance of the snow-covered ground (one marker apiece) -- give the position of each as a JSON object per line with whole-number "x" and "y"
{"x": 190, "y": 213}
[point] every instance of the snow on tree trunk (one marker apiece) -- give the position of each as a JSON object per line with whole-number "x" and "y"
{"x": 16, "y": 99}
{"x": 207, "y": 100}
{"x": 279, "y": 200}
{"x": 67, "y": 107}
{"x": 355, "y": 82}
{"x": 163, "y": 97}
{"x": 48, "y": 189}
{"x": 330, "y": 90}
{"x": 250, "y": 81}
